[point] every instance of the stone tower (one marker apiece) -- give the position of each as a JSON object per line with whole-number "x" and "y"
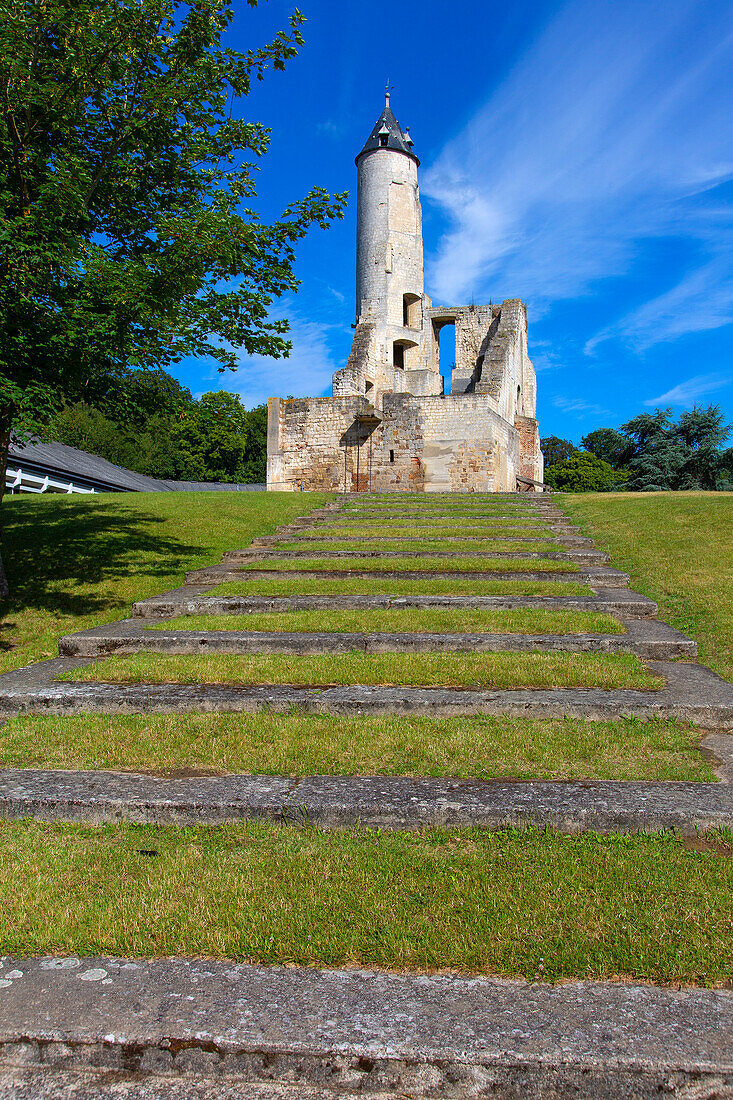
{"x": 389, "y": 424}
{"x": 389, "y": 260}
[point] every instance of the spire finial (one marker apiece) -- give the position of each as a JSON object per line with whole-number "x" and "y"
{"x": 387, "y": 92}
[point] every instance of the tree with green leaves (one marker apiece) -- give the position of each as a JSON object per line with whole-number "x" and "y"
{"x": 211, "y": 439}
{"x": 128, "y": 237}
{"x": 582, "y": 472}
{"x": 556, "y": 450}
{"x": 612, "y": 446}
{"x": 685, "y": 455}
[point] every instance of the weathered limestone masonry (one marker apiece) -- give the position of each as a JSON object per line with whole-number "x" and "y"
{"x": 389, "y": 424}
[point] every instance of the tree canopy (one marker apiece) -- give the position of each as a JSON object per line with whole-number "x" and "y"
{"x": 649, "y": 452}
{"x": 128, "y": 234}
{"x": 555, "y": 449}
{"x": 214, "y": 438}
{"x": 583, "y": 472}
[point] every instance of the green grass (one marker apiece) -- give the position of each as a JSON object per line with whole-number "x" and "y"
{"x": 429, "y": 503}
{"x": 678, "y": 548}
{"x": 535, "y": 905}
{"x": 408, "y": 565}
{"x": 479, "y": 747}
{"x": 75, "y": 562}
{"x": 449, "y": 545}
{"x": 397, "y": 586}
{"x": 438, "y": 620}
{"x": 441, "y": 524}
{"x": 442, "y": 535}
{"x": 466, "y": 670}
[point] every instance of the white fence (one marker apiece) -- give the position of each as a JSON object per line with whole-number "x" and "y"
{"x": 18, "y": 480}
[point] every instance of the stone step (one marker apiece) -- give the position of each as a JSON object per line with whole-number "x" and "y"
{"x": 530, "y": 531}
{"x": 583, "y": 556}
{"x": 647, "y": 638}
{"x": 375, "y": 802}
{"x": 274, "y": 541}
{"x": 459, "y": 517}
{"x": 48, "y": 1082}
{"x": 201, "y": 599}
{"x": 590, "y": 575}
{"x": 174, "y": 1029}
{"x": 691, "y": 693}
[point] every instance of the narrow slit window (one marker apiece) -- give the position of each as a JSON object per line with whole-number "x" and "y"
{"x": 391, "y": 456}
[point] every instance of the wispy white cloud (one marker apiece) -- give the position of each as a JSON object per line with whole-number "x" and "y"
{"x": 544, "y": 356}
{"x": 701, "y": 301}
{"x": 612, "y": 129}
{"x": 331, "y": 128}
{"x": 578, "y": 408}
{"x": 687, "y": 393}
{"x": 305, "y": 373}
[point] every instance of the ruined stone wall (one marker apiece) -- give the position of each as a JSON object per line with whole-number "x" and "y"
{"x": 507, "y": 373}
{"x": 308, "y": 443}
{"x": 361, "y": 367}
{"x": 456, "y": 444}
{"x": 531, "y": 460}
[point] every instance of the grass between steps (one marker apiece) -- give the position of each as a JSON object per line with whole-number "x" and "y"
{"x": 422, "y": 534}
{"x": 408, "y": 565}
{"x": 449, "y": 503}
{"x": 528, "y": 904}
{"x": 438, "y": 523}
{"x": 480, "y": 747}
{"x": 437, "y": 620}
{"x": 678, "y": 548}
{"x": 450, "y": 545}
{"x": 76, "y": 562}
{"x": 462, "y": 670}
{"x": 397, "y": 586}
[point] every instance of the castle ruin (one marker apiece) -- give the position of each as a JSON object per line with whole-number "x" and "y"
{"x": 389, "y": 425}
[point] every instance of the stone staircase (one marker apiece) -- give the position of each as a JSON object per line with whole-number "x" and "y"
{"x": 295, "y": 1032}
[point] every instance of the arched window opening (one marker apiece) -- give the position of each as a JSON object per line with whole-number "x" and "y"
{"x": 444, "y": 335}
{"x": 411, "y": 311}
{"x": 368, "y": 387}
{"x": 404, "y": 353}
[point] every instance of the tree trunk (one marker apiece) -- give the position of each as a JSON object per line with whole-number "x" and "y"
{"x": 4, "y": 447}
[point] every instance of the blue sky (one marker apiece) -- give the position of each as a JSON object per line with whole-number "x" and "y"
{"x": 577, "y": 155}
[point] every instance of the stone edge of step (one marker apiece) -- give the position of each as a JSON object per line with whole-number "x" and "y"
{"x": 360, "y": 1032}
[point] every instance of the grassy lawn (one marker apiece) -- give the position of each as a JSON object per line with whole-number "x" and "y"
{"x": 487, "y": 545}
{"x": 678, "y": 548}
{"x": 437, "y": 620}
{"x": 531, "y": 904}
{"x": 467, "y": 670}
{"x": 397, "y": 586}
{"x": 75, "y": 562}
{"x": 481, "y": 747}
{"x": 407, "y": 565}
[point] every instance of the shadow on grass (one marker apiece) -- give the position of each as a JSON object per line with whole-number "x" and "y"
{"x": 50, "y": 552}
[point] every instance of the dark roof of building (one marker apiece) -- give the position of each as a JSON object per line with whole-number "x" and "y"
{"x": 396, "y": 138}
{"x": 57, "y": 458}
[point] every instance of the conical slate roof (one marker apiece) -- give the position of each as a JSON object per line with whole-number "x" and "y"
{"x": 397, "y": 139}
